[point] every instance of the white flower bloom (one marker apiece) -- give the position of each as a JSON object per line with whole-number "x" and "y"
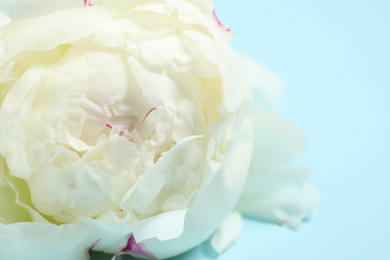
{"x": 127, "y": 127}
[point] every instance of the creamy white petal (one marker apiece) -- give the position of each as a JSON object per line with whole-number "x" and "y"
{"x": 232, "y": 87}
{"x": 113, "y": 237}
{"x": 266, "y": 87}
{"x": 4, "y": 19}
{"x": 276, "y": 140}
{"x": 156, "y": 177}
{"x": 48, "y": 31}
{"x": 275, "y": 188}
{"x": 223, "y": 190}
{"x": 10, "y": 212}
{"x": 6, "y": 10}
{"x": 45, "y": 241}
{"x": 227, "y": 232}
{"x": 29, "y": 8}
{"x": 13, "y": 112}
{"x": 279, "y": 195}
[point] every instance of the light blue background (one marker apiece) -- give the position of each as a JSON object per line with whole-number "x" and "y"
{"x": 335, "y": 57}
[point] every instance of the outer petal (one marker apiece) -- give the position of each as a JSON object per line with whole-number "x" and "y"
{"x": 114, "y": 237}
{"x": 4, "y": 19}
{"x": 45, "y": 241}
{"x": 48, "y": 31}
{"x": 5, "y": 16}
{"x": 29, "y": 8}
{"x": 10, "y": 211}
{"x": 227, "y": 232}
{"x": 266, "y": 87}
{"x": 274, "y": 189}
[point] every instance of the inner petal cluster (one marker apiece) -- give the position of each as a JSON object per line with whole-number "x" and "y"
{"x": 116, "y": 125}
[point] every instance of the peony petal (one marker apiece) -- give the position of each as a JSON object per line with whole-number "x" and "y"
{"x": 274, "y": 189}
{"x": 135, "y": 249}
{"x": 4, "y": 19}
{"x": 163, "y": 227}
{"x": 14, "y": 112}
{"x": 10, "y": 211}
{"x": 276, "y": 140}
{"x": 232, "y": 88}
{"x": 278, "y": 194}
{"x": 156, "y": 177}
{"x": 45, "y": 241}
{"x": 227, "y": 232}
{"x": 113, "y": 237}
{"x": 29, "y": 8}
{"x": 48, "y": 31}
{"x": 6, "y": 10}
{"x": 266, "y": 87}
{"x": 175, "y": 195}
{"x": 222, "y": 190}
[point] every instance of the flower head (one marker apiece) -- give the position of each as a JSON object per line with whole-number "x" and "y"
{"x": 129, "y": 122}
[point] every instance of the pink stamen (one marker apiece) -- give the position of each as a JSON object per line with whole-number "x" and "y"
{"x": 225, "y": 28}
{"x": 108, "y": 125}
{"x": 123, "y": 131}
{"x": 150, "y": 111}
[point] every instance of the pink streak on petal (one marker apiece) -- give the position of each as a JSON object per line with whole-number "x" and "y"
{"x": 150, "y": 111}
{"x": 108, "y": 125}
{"x": 92, "y": 246}
{"x": 133, "y": 247}
{"x": 86, "y": 2}
{"x": 225, "y": 28}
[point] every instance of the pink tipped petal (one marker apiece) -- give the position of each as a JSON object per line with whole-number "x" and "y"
{"x": 135, "y": 249}
{"x": 87, "y": 3}
{"x": 225, "y": 235}
{"x": 223, "y": 27}
{"x": 92, "y": 246}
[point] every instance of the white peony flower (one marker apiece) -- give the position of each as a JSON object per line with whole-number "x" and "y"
{"x": 128, "y": 127}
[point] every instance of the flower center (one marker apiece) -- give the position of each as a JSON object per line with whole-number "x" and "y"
{"x": 131, "y": 132}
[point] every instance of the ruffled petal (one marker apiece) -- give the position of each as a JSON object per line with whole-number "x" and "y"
{"x": 48, "y": 31}
{"x": 275, "y": 188}
{"x": 14, "y": 112}
{"x": 223, "y": 190}
{"x": 150, "y": 184}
